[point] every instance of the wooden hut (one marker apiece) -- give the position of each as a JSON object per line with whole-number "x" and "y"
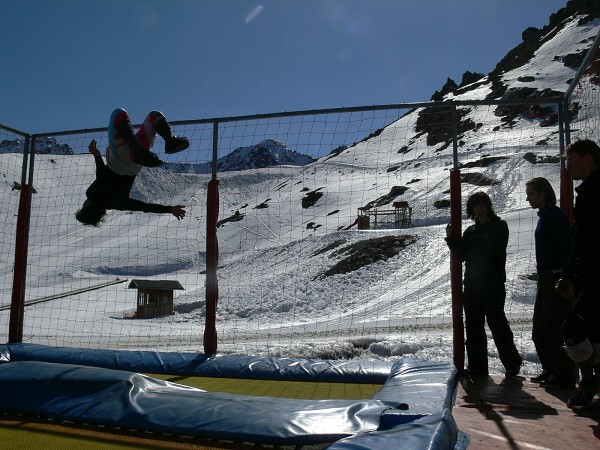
{"x": 373, "y": 218}
{"x": 155, "y": 297}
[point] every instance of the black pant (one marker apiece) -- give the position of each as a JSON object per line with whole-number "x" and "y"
{"x": 549, "y": 312}
{"x": 483, "y": 303}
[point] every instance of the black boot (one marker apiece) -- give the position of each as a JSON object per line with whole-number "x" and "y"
{"x": 141, "y": 155}
{"x": 173, "y": 144}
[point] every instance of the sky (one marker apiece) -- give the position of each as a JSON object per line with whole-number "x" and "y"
{"x": 66, "y": 64}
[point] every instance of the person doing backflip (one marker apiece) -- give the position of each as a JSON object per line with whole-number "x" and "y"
{"x": 126, "y": 154}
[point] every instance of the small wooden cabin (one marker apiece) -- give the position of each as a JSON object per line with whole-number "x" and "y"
{"x": 399, "y": 217}
{"x": 155, "y": 297}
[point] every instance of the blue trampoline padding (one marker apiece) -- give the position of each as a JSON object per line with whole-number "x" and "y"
{"x": 134, "y": 401}
{"x": 230, "y": 366}
{"x": 4, "y": 354}
{"x": 430, "y": 386}
{"x": 437, "y": 431}
{"x": 412, "y": 406}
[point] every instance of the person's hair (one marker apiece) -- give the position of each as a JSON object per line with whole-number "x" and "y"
{"x": 89, "y": 214}
{"x": 542, "y": 185}
{"x": 585, "y": 147}
{"x": 479, "y": 198}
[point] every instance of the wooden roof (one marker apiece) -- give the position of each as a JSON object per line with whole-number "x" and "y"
{"x": 159, "y": 285}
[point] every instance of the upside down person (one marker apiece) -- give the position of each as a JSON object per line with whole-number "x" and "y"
{"x": 126, "y": 155}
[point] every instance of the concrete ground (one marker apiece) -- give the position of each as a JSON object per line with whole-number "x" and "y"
{"x": 515, "y": 413}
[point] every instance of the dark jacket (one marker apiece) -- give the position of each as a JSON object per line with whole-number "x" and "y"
{"x": 551, "y": 239}
{"x": 583, "y": 265}
{"x": 111, "y": 191}
{"x": 483, "y": 249}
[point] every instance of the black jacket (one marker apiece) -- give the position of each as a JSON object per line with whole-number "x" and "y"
{"x": 483, "y": 249}
{"x": 583, "y": 265}
{"x": 111, "y": 191}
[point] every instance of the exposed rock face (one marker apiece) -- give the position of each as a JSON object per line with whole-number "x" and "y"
{"x": 43, "y": 146}
{"x": 264, "y": 154}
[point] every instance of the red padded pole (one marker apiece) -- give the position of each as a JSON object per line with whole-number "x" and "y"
{"x": 17, "y": 307}
{"x": 458, "y": 337}
{"x": 212, "y": 261}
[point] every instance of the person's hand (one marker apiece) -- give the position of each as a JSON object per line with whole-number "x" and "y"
{"x": 93, "y": 149}
{"x": 565, "y": 288}
{"x": 449, "y": 230}
{"x": 178, "y": 212}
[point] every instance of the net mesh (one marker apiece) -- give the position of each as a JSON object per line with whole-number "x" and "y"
{"x": 316, "y": 255}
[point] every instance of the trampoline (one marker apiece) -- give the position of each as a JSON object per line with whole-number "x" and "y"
{"x": 413, "y": 408}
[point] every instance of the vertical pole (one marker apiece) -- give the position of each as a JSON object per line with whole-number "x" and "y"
{"x": 17, "y": 307}
{"x": 458, "y": 337}
{"x": 212, "y": 252}
{"x": 566, "y": 182}
{"x": 564, "y": 123}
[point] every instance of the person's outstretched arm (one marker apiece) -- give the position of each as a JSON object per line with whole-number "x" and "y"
{"x": 93, "y": 149}
{"x": 178, "y": 211}
{"x": 132, "y": 204}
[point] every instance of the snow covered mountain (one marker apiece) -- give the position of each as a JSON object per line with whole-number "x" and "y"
{"x": 264, "y": 154}
{"x": 267, "y": 153}
{"x": 44, "y": 146}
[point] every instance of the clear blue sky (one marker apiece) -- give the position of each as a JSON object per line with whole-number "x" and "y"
{"x": 66, "y": 64}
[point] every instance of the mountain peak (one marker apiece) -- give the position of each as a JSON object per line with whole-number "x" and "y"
{"x": 267, "y": 153}
{"x": 520, "y": 56}
{"x": 43, "y": 146}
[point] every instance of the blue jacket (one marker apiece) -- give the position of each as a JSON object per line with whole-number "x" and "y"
{"x": 551, "y": 239}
